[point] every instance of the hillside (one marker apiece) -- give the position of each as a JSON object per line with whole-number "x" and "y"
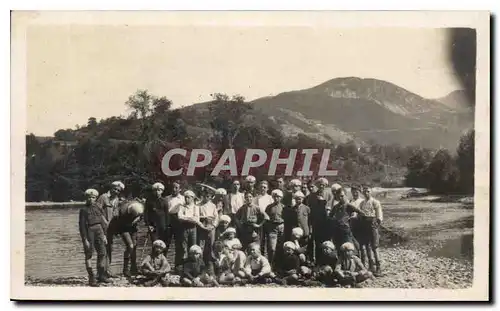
{"x": 368, "y": 110}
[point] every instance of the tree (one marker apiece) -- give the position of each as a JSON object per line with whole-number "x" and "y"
{"x": 140, "y": 102}
{"x": 416, "y": 175}
{"x": 465, "y": 162}
{"x": 442, "y": 173}
{"x": 65, "y": 135}
{"x": 92, "y": 122}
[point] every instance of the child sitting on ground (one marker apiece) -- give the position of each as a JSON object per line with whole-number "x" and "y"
{"x": 229, "y": 237}
{"x": 289, "y": 265}
{"x": 224, "y": 222}
{"x": 300, "y": 245}
{"x": 155, "y": 266}
{"x": 195, "y": 273}
{"x": 222, "y": 263}
{"x": 257, "y": 268}
{"x": 326, "y": 264}
{"x": 350, "y": 270}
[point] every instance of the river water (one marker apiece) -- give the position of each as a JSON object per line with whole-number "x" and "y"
{"x": 54, "y": 248}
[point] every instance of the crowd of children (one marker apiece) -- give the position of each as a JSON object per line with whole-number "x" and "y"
{"x": 304, "y": 233}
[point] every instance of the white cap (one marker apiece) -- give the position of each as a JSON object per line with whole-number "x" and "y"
{"x": 137, "y": 208}
{"x": 220, "y": 191}
{"x": 322, "y": 181}
{"x": 159, "y": 243}
{"x": 195, "y": 249}
{"x": 158, "y": 185}
{"x": 91, "y": 192}
{"x": 229, "y": 230}
{"x": 277, "y": 192}
{"x": 336, "y": 187}
{"x": 328, "y": 244}
{"x": 290, "y": 244}
{"x": 250, "y": 178}
{"x": 298, "y": 231}
{"x": 298, "y": 194}
{"x": 118, "y": 184}
{"x": 189, "y": 193}
{"x": 348, "y": 246}
{"x": 295, "y": 182}
{"x": 225, "y": 218}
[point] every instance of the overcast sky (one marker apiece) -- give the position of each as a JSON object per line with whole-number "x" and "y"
{"x": 77, "y": 72}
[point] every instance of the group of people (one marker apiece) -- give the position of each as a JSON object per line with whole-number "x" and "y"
{"x": 303, "y": 232}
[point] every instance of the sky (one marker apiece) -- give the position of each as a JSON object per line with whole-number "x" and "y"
{"x": 79, "y": 71}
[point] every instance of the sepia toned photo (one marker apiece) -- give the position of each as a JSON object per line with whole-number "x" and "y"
{"x": 263, "y": 155}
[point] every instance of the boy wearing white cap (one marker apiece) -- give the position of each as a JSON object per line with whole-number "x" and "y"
{"x": 297, "y": 215}
{"x": 109, "y": 201}
{"x": 92, "y": 226}
{"x": 274, "y": 228}
{"x": 174, "y": 230}
{"x": 350, "y": 270}
{"x": 189, "y": 219}
{"x": 339, "y": 220}
{"x": 209, "y": 220}
{"x": 289, "y": 266}
{"x": 125, "y": 225}
{"x": 195, "y": 272}
{"x": 155, "y": 266}
{"x": 156, "y": 213}
{"x": 224, "y": 222}
{"x": 250, "y": 184}
{"x": 327, "y": 263}
{"x": 293, "y": 186}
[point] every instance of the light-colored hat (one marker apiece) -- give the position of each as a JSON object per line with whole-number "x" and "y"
{"x": 236, "y": 244}
{"x": 220, "y": 191}
{"x": 277, "y": 192}
{"x": 195, "y": 249}
{"x": 91, "y": 192}
{"x": 229, "y": 230}
{"x": 290, "y": 245}
{"x": 328, "y": 244}
{"x": 250, "y": 178}
{"x": 298, "y": 231}
{"x": 189, "y": 193}
{"x": 336, "y": 187}
{"x": 348, "y": 246}
{"x": 298, "y": 194}
{"x": 136, "y": 208}
{"x": 160, "y": 244}
{"x": 295, "y": 182}
{"x": 118, "y": 184}
{"x": 225, "y": 218}
{"x": 322, "y": 181}
{"x": 158, "y": 185}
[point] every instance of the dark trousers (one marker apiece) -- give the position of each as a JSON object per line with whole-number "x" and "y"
{"x": 174, "y": 233}
{"x": 275, "y": 240}
{"x": 96, "y": 240}
{"x": 319, "y": 235}
{"x": 206, "y": 239}
{"x": 129, "y": 238}
{"x": 188, "y": 238}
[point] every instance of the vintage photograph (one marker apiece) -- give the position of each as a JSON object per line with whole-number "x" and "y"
{"x": 177, "y": 150}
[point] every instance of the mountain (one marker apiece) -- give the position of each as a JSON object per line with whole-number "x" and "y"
{"x": 367, "y": 110}
{"x": 456, "y": 100}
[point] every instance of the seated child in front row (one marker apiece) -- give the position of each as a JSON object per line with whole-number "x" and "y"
{"x": 222, "y": 263}
{"x": 229, "y": 237}
{"x": 290, "y": 268}
{"x": 224, "y": 222}
{"x": 195, "y": 273}
{"x": 257, "y": 268}
{"x": 300, "y": 245}
{"x": 350, "y": 269}
{"x": 155, "y": 266}
{"x": 326, "y": 264}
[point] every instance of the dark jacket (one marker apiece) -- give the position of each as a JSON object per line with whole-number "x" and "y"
{"x": 297, "y": 216}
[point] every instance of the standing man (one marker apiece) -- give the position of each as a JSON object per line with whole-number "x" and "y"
{"x": 263, "y": 200}
{"x": 294, "y": 186}
{"x": 370, "y": 211}
{"x": 280, "y": 184}
{"x": 298, "y": 216}
{"x": 339, "y": 217}
{"x": 249, "y": 220}
{"x": 174, "y": 202}
{"x": 125, "y": 224}
{"x": 189, "y": 219}
{"x": 355, "y": 223}
{"x": 156, "y": 214}
{"x": 274, "y": 228}
{"x": 250, "y": 184}
{"x": 318, "y": 202}
{"x": 209, "y": 220}
{"x": 235, "y": 199}
{"x": 108, "y": 201}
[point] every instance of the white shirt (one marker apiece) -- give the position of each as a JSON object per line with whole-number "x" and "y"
{"x": 371, "y": 208}
{"x": 263, "y": 201}
{"x": 174, "y": 202}
{"x": 209, "y": 209}
{"x": 236, "y": 200}
{"x": 189, "y": 212}
{"x": 357, "y": 202}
